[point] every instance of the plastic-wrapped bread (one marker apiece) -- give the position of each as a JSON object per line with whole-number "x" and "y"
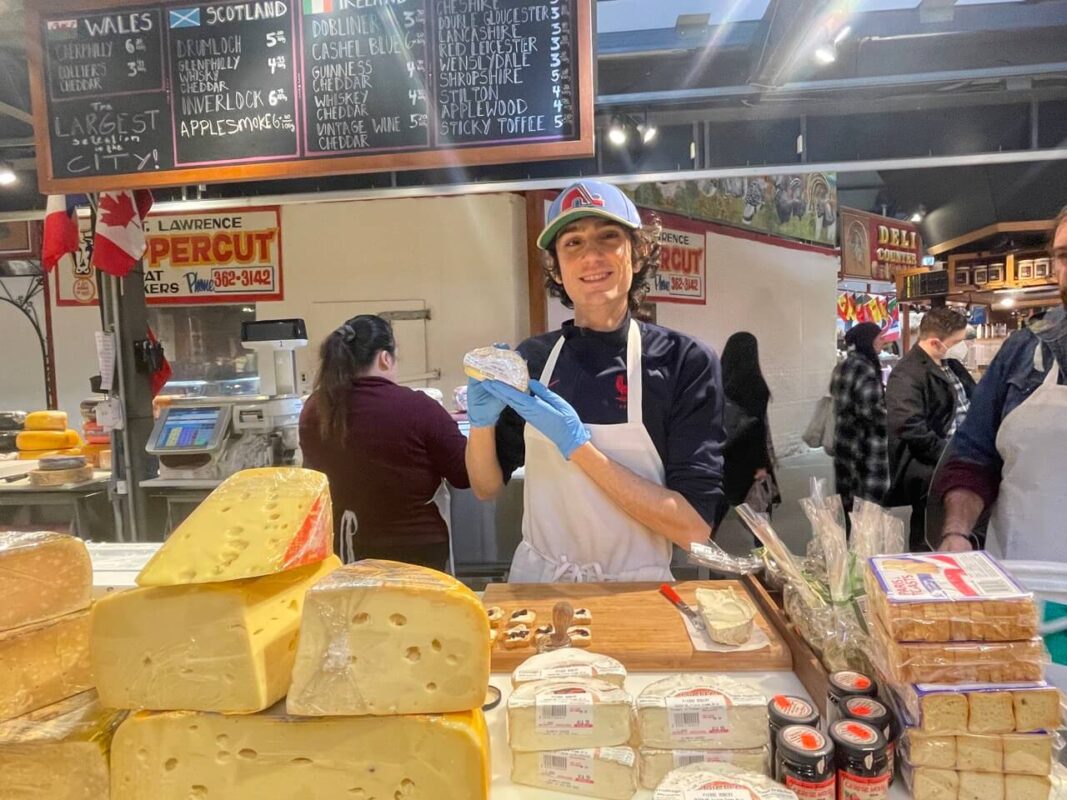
{"x": 655, "y": 764}
{"x": 605, "y": 772}
{"x": 957, "y": 662}
{"x": 721, "y": 780}
{"x": 43, "y": 575}
{"x": 383, "y": 638}
{"x": 59, "y": 752}
{"x": 497, "y": 364}
{"x": 1008, "y": 753}
{"x": 567, "y": 714}
{"x": 569, "y": 662}
{"x": 949, "y": 597}
{"x": 702, "y": 712}
{"x": 982, "y": 707}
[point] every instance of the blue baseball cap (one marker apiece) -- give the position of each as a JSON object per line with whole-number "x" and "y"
{"x": 588, "y": 199}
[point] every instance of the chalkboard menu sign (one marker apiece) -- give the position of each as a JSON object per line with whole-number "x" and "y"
{"x": 924, "y": 284}
{"x": 177, "y": 93}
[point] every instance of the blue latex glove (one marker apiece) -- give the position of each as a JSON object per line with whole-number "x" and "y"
{"x": 483, "y": 408}
{"x": 547, "y": 411}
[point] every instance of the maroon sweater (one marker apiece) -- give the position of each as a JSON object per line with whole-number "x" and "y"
{"x": 400, "y": 445}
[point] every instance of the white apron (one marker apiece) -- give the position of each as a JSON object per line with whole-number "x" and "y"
{"x": 571, "y": 530}
{"x": 1028, "y": 517}
{"x": 350, "y": 527}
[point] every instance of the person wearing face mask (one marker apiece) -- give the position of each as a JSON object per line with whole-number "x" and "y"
{"x": 385, "y": 449}
{"x": 927, "y": 398}
{"x": 1007, "y": 458}
{"x": 622, "y": 434}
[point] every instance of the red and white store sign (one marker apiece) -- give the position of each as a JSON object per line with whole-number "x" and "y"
{"x": 193, "y": 258}
{"x": 682, "y": 275}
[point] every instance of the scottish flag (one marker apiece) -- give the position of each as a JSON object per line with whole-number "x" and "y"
{"x": 185, "y": 18}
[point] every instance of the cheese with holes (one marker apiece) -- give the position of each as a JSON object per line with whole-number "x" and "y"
{"x": 37, "y": 441}
{"x": 46, "y": 421}
{"x": 569, "y": 662}
{"x": 568, "y": 714}
{"x": 44, "y": 663}
{"x": 59, "y": 752}
{"x": 257, "y": 522}
{"x": 702, "y": 712}
{"x": 655, "y": 764}
{"x": 214, "y": 647}
{"x": 184, "y": 755}
{"x": 719, "y": 782}
{"x": 380, "y": 637}
{"x": 43, "y": 575}
{"x": 606, "y": 772}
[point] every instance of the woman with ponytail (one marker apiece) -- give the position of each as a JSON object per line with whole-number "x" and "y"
{"x": 385, "y": 449}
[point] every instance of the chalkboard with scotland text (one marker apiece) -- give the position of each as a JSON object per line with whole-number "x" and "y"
{"x": 132, "y": 95}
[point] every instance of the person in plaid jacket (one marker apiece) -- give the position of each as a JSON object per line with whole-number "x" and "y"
{"x": 861, "y": 449}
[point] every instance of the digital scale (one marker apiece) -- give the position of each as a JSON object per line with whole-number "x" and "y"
{"x": 211, "y": 438}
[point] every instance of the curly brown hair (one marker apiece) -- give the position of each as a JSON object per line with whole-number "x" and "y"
{"x": 645, "y": 250}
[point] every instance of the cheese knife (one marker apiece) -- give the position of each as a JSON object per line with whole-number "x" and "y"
{"x": 698, "y": 621}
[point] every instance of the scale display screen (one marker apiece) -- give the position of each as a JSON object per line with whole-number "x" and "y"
{"x": 189, "y": 429}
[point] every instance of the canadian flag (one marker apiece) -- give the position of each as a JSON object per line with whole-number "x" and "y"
{"x": 60, "y": 228}
{"x": 119, "y": 242}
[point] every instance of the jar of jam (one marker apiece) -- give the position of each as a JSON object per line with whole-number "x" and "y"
{"x": 875, "y": 713}
{"x": 861, "y": 761}
{"x": 805, "y": 763}
{"x": 843, "y": 685}
{"x": 783, "y": 710}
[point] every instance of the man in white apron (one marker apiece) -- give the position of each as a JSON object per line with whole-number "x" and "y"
{"x": 622, "y": 454}
{"x": 1008, "y": 456}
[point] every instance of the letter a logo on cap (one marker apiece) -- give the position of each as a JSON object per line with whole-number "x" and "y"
{"x": 578, "y": 197}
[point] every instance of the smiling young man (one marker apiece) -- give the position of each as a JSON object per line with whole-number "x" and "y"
{"x": 622, "y": 436}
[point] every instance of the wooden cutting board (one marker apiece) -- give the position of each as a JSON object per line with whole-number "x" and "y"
{"x": 637, "y": 625}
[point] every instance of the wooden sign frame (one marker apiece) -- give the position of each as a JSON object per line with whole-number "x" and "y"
{"x": 434, "y": 158}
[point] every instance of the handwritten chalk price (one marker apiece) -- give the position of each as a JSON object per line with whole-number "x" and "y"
{"x": 135, "y": 46}
{"x": 275, "y": 38}
{"x": 416, "y": 66}
{"x": 416, "y": 96}
{"x": 136, "y": 68}
{"x": 277, "y": 96}
{"x": 419, "y": 121}
{"x": 413, "y": 18}
{"x": 276, "y": 63}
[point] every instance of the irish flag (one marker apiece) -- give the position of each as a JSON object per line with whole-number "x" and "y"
{"x": 318, "y": 6}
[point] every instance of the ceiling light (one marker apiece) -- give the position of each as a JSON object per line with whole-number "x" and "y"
{"x": 617, "y": 134}
{"x": 7, "y": 174}
{"x": 1007, "y": 302}
{"x": 826, "y": 54}
{"x": 648, "y": 133}
{"x": 918, "y": 215}
{"x": 842, "y": 34}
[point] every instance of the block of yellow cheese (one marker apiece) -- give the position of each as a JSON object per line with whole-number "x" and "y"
{"x": 182, "y": 755}
{"x": 214, "y": 647}
{"x": 380, "y": 637}
{"x": 257, "y": 522}
{"x": 44, "y": 663}
{"x": 43, "y": 575}
{"x": 59, "y": 752}
{"x": 47, "y": 440}
{"x": 46, "y": 421}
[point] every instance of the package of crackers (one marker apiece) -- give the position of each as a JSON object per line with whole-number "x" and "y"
{"x": 949, "y": 597}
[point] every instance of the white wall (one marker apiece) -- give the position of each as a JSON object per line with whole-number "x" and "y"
{"x": 787, "y": 298}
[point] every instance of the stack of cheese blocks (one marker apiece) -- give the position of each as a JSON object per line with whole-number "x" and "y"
{"x": 246, "y": 603}
{"x": 573, "y": 727}
{"x": 46, "y": 434}
{"x": 955, "y": 639}
{"x": 49, "y": 717}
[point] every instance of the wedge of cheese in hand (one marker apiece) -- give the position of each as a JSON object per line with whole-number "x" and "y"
{"x": 183, "y": 755}
{"x": 381, "y": 637}
{"x": 214, "y": 647}
{"x": 44, "y": 663}
{"x": 59, "y": 752}
{"x": 257, "y": 522}
{"x": 43, "y": 575}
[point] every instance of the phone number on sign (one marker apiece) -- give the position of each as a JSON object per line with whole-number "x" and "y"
{"x": 243, "y": 280}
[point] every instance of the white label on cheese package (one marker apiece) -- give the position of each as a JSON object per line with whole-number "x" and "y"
{"x": 697, "y": 715}
{"x": 568, "y": 712}
{"x": 683, "y": 758}
{"x": 554, "y": 673}
{"x": 957, "y": 577}
{"x": 718, "y": 790}
{"x": 568, "y": 769}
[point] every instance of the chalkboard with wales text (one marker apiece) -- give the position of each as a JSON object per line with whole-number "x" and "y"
{"x": 183, "y": 93}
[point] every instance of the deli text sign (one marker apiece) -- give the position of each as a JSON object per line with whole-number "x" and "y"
{"x": 877, "y": 248}
{"x": 193, "y": 258}
{"x": 682, "y": 276}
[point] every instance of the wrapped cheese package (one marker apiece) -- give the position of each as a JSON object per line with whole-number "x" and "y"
{"x": 981, "y": 707}
{"x": 569, "y": 713}
{"x": 948, "y": 597}
{"x": 59, "y": 752}
{"x": 257, "y": 522}
{"x": 497, "y": 364}
{"x": 702, "y": 712}
{"x": 43, "y": 441}
{"x": 43, "y": 575}
{"x": 1008, "y": 753}
{"x": 719, "y": 781}
{"x": 184, "y": 755}
{"x": 609, "y": 773}
{"x": 44, "y": 663}
{"x": 569, "y": 662}
{"x": 225, "y": 647}
{"x": 381, "y": 637}
{"x": 45, "y": 421}
{"x": 655, "y": 764}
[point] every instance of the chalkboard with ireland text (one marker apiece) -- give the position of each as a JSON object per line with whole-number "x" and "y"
{"x": 141, "y": 95}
